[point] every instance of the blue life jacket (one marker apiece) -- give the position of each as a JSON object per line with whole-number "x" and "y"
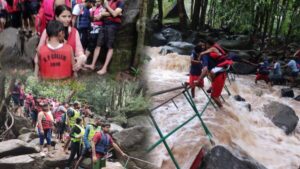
{"x": 103, "y": 145}
{"x": 83, "y": 20}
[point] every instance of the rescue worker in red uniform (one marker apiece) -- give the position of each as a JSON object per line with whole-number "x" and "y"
{"x": 215, "y": 62}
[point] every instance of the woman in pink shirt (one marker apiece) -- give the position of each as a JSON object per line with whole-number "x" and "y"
{"x": 63, "y": 14}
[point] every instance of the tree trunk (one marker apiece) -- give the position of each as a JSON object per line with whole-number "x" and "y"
{"x": 265, "y": 29}
{"x": 196, "y": 13}
{"x": 68, "y": 99}
{"x": 141, "y": 28}
{"x": 203, "y": 14}
{"x": 286, "y": 8}
{"x": 192, "y": 8}
{"x": 182, "y": 14}
{"x": 273, "y": 14}
{"x": 6, "y": 100}
{"x": 150, "y": 8}
{"x": 160, "y": 10}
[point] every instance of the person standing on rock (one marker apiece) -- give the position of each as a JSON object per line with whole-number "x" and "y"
{"x": 16, "y": 96}
{"x": 214, "y": 61}
{"x": 45, "y": 123}
{"x": 292, "y": 65}
{"x": 101, "y": 143}
{"x": 60, "y": 119}
{"x": 112, "y": 22}
{"x": 77, "y": 133}
{"x": 81, "y": 20}
{"x": 89, "y": 133}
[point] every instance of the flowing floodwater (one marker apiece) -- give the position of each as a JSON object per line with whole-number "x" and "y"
{"x": 235, "y": 127}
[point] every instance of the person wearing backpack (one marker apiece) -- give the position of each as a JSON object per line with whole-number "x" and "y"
{"x": 90, "y": 131}
{"x": 45, "y": 123}
{"x": 101, "y": 143}
{"x": 81, "y": 20}
{"x": 60, "y": 119}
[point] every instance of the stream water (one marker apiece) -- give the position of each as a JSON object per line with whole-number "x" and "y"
{"x": 236, "y": 127}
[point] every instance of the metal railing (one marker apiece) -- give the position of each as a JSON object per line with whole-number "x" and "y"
{"x": 188, "y": 97}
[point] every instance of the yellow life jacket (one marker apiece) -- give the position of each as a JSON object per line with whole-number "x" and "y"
{"x": 80, "y": 134}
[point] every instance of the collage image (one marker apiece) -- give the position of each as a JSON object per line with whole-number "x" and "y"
{"x": 149, "y": 84}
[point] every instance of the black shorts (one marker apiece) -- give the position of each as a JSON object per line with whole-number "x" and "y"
{"x": 92, "y": 40}
{"x": 107, "y": 36}
{"x": 294, "y": 74}
{"x": 26, "y": 10}
{"x": 34, "y": 7}
{"x": 16, "y": 99}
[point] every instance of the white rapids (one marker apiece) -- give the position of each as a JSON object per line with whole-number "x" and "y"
{"x": 252, "y": 131}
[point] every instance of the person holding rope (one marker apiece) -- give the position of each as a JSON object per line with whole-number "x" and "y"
{"x": 214, "y": 61}
{"x": 100, "y": 146}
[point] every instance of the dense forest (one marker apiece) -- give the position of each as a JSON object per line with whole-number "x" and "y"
{"x": 262, "y": 20}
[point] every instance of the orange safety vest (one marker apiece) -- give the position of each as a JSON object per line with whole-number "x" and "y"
{"x": 55, "y": 64}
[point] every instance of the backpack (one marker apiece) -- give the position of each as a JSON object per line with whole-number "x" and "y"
{"x": 40, "y": 22}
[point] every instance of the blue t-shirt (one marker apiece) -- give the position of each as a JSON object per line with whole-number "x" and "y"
{"x": 293, "y": 66}
{"x": 277, "y": 69}
{"x": 196, "y": 68}
{"x": 208, "y": 61}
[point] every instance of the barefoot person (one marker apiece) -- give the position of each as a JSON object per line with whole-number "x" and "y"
{"x": 112, "y": 22}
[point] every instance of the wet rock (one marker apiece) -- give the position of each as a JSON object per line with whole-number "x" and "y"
{"x": 59, "y": 160}
{"x": 115, "y": 128}
{"x": 19, "y": 162}
{"x": 10, "y": 48}
{"x": 35, "y": 142}
{"x": 130, "y": 114}
{"x": 243, "y": 68}
{"x": 19, "y": 123}
{"x": 30, "y": 46}
{"x": 239, "y": 98}
{"x": 126, "y": 38}
{"x": 221, "y": 158}
{"x": 15, "y": 147}
{"x": 182, "y": 48}
{"x": 158, "y": 39}
{"x": 134, "y": 142}
{"x": 139, "y": 121}
{"x": 27, "y": 137}
{"x": 172, "y": 35}
{"x": 282, "y": 116}
{"x": 86, "y": 163}
{"x": 297, "y": 98}
{"x": 244, "y": 55}
{"x": 239, "y": 44}
{"x": 24, "y": 130}
{"x": 287, "y": 92}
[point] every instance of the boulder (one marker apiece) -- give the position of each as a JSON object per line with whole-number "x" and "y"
{"x": 243, "y": 55}
{"x": 24, "y": 130}
{"x": 182, "y": 48}
{"x": 19, "y": 123}
{"x": 235, "y": 44}
{"x": 86, "y": 163}
{"x": 35, "y": 142}
{"x": 15, "y": 147}
{"x": 115, "y": 128}
{"x": 282, "y": 116}
{"x": 243, "y": 68}
{"x": 297, "y": 98}
{"x": 30, "y": 46}
{"x": 130, "y": 114}
{"x": 158, "y": 39}
{"x": 287, "y": 92}
{"x": 126, "y": 38}
{"x": 139, "y": 121}
{"x": 19, "y": 162}
{"x": 27, "y": 137}
{"x": 239, "y": 98}
{"x": 59, "y": 160}
{"x": 171, "y": 34}
{"x": 221, "y": 158}
{"x": 10, "y": 48}
{"x": 134, "y": 142}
